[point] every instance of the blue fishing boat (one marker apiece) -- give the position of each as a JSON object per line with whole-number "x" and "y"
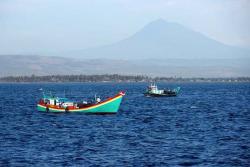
{"x": 153, "y": 91}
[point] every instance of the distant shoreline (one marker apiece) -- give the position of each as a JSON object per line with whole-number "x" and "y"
{"x": 113, "y": 78}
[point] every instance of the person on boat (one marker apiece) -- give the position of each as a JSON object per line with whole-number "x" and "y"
{"x": 46, "y": 101}
{"x": 98, "y": 100}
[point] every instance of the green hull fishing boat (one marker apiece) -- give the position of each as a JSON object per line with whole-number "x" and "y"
{"x": 153, "y": 91}
{"x": 57, "y": 105}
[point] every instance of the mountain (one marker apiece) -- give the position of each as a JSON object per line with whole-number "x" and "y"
{"x": 159, "y": 49}
{"x": 163, "y": 40}
{"x": 16, "y": 65}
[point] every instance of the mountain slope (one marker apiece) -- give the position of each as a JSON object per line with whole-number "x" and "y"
{"x": 163, "y": 40}
{"x": 16, "y": 65}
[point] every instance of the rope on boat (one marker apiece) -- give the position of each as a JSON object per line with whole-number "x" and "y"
{"x": 47, "y": 109}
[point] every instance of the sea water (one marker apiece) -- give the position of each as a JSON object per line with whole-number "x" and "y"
{"x": 208, "y": 124}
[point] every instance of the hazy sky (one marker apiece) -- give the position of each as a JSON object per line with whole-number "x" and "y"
{"x": 43, "y": 26}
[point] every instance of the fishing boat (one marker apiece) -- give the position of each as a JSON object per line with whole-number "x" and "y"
{"x": 54, "y": 104}
{"x": 153, "y": 90}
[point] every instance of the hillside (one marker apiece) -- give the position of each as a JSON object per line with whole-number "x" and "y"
{"x": 20, "y": 65}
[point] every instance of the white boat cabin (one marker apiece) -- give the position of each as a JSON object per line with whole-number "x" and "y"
{"x": 154, "y": 89}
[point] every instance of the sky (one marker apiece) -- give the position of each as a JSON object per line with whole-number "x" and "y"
{"x": 47, "y": 26}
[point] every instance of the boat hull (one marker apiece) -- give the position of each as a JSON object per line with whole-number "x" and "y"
{"x": 109, "y": 106}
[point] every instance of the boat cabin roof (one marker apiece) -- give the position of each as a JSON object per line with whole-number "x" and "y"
{"x": 59, "y": 99}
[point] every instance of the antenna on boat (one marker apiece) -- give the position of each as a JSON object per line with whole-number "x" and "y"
{"x": 41, "y": 89}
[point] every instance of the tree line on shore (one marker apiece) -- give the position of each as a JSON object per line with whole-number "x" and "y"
{"x": 115, "y": 78}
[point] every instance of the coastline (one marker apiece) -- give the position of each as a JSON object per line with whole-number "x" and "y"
{"x": 115, "y": 78}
